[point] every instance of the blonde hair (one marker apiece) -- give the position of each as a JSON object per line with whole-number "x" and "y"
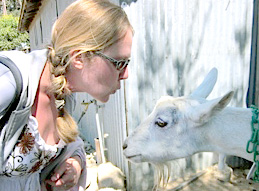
{"x": 84, "y": 26}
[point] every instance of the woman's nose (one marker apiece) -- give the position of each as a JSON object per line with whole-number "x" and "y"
{"x": 124, "y": 74}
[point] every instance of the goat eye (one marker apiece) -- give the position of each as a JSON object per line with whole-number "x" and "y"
{"x": 161, "y": 123}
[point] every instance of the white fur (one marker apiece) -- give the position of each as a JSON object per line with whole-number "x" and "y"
{"x": 194, "y": 124}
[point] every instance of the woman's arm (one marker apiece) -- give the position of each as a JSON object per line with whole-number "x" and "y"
{"x": 71, "y": 168}
{"x": 7, "y": 87}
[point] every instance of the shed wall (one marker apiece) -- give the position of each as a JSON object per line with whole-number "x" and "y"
{"x": 175, "y": 44}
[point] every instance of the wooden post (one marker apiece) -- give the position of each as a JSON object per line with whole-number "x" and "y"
{"x": 4, "y": 7}
{"x": 98, "y": 151}
{"x": 257, "y": 60}
{"x": 257, "y": 67}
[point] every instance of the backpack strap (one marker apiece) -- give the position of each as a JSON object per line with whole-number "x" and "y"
{"x": 19, "y": 86}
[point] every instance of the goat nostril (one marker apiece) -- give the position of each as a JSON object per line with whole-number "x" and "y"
{"x": 124, "y": 146}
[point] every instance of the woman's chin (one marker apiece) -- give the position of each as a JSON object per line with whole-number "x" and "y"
{"x": 103, "y": 99}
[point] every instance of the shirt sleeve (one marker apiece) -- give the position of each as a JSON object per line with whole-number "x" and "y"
{"x": 80, "y": 152}
{"x": 7, "y": 87}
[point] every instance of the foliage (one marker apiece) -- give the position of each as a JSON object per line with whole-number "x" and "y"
{"x": 10, "y": 37}
{"x": 12, "y": 6}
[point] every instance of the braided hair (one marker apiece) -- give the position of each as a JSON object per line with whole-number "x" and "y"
{"x": 66, "y": 126}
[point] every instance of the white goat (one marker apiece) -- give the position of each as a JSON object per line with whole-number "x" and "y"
{"x": 182, "y": 126}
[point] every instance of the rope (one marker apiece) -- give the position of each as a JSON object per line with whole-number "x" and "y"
{"x": 253, "y": 143}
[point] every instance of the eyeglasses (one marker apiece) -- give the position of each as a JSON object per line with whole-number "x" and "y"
{"x": 119, "y": 64}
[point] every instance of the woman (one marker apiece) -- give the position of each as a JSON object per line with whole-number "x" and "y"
{"x": 89, "y": 52}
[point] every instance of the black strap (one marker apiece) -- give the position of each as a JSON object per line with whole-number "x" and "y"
{"x": 19, "y": 85}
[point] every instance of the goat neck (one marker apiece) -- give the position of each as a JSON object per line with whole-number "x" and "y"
{"x": 229, "y": 131}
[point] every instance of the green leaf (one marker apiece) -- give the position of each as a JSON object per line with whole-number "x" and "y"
{"x": 10, "y": 37}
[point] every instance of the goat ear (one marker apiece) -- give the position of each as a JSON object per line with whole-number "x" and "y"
{"x": 205, "y": 111}
{"x": 205, "y": 88}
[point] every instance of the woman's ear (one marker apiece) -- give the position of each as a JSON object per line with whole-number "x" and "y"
{"x": 77, "y": 59}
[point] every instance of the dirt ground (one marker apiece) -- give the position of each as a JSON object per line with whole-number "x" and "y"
{"x": 206, "y": 181}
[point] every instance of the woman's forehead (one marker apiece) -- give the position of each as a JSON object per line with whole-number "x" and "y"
{"x": 122, "y": 47}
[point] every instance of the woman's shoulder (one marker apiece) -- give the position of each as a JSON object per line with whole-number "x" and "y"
{"x": 26, "y": 62}
{"x": 7, "y": 88}
{"x": 19, "y": 57}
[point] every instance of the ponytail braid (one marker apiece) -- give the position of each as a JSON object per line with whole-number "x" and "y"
{"x": 66, "y": 126}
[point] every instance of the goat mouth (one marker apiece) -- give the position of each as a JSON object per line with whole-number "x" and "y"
{"x": 135, "y": 158}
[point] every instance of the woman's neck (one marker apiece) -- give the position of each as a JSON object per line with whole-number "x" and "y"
{"x": 43, "y": 88}
{"x": 44, "y": 109}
